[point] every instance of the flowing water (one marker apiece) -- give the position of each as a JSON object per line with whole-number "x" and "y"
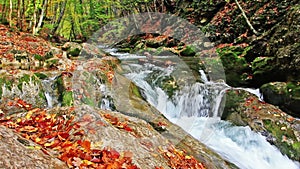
{"x": 50, "y": 92}
{"x": 195, "y": 107}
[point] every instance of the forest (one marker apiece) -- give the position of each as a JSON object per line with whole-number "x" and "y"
{"x": 72, "y": 19}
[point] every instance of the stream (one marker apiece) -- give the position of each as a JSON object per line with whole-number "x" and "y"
{"x": 195, "y": 108}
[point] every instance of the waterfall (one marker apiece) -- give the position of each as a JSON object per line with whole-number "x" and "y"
{"x": 49, "y": 92}
{"x": 195, "y": 108}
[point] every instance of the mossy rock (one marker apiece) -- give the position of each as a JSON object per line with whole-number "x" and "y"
{"x": 282, "y": 94}
{"x": 233, "y": 100}
{"x": 6, "y": 82}
{"x": 285, "y": 138}
{"x": 188, "y": 51}
{"x": 67, "y": 98}
{"x": 51, "y": 62}
{"x": 262, "y": 65}
{"x": 88, "y": 101}
{"x": 25, "y": 78}
{"x": 74, "y": 52}
{"x": 135, "y": 90}
{"x": 235, "y": 65}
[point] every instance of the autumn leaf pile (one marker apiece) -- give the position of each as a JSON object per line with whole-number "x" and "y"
{"x": 59, "y": 133}
{"x": 21, "y": 42}
{"x": 179, "y": 159}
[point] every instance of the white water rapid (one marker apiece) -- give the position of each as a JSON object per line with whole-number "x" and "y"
{"x": 195, "y": 109}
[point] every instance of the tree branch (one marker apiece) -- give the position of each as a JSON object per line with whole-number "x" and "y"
{"x": 247, "y": 20}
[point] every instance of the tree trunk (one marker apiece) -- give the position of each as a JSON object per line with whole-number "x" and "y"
{"x": 34, "y": 18}
{"x": 41, "y": 16}
{"x": 4, "y": 8}
{"x": 23, "y": 16}
{"x": 62, "y": 11}
{"x": 10, "y": 13}
{"x": 19, "y": 15}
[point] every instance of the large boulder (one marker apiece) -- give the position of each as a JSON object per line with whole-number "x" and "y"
{"x": 282, "y": 94}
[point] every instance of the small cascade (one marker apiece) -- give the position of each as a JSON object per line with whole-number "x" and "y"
{"x": 203, "y": 76}
{"x": 49, "y": 92}
{"x": 195, "y": 108}
{"x": 106, "y": 101}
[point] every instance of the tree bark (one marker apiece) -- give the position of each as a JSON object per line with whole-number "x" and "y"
{"x": 62, "y": 11}
{"x": 34, "y": 18}
{"x": 19, "y": 15}
{"x": 41, "y": 16}
{"x": 4, "y": 8}
{"x": 23, "y": 21}
{"x": 10, "y": 13}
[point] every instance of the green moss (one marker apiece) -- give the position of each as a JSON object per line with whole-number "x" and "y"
{"x": 262, "y": 65}
{"x": 25, "y": 78}
{"x": 38, "y": 57}
{"x": 188, "y": 51}
{"x": 235, "y": 65}
{"x": 293, "y": 89}
{"x": 135, "y": 90}
{"x": 67, "y": 99}
{"x": 291, "y": 150}
{"x": 42, "y": 95}
{"x": 40, "y": 75}
{"x": 234, "y": 98}
{"x": 88, "y": 101}
{"x": 74, "y": 52}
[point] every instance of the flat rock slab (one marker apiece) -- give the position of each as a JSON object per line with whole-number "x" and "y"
{"x": 16, "y": 152}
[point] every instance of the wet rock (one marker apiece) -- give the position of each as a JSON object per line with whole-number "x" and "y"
{"x": 89, "y": 51}
{"x": 132, "y": 105}
{"x": 235, "y": 65}
{"x": 282, "y": 94}
{"x": 188, "y": 51}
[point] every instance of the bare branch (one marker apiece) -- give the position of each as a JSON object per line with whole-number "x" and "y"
{"x": 247, "y": 20}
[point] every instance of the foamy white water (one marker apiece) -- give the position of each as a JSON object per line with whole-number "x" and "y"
{"x": 195, "y": 109}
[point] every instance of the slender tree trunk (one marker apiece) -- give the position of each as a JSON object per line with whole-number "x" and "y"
{"x": 23, "y": 15}
{"x": 19, "y": 15}
{"x": 54, "y": 14}
{"x": 4, "y": 8}
{"x": 39, "y": 25}
{"x": 62, "y": 11}
{"x": 10, "y": 13}
{"x": 34, "y": 18}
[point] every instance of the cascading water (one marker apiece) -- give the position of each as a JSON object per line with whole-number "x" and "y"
{"x": 49, "y": 91}
{"x": 195, "y": 109}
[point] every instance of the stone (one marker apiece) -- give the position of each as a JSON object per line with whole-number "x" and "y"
{"x": 282, "y": 94}
{"x": 73, "y": 49}
{"x": 19, "y": 153}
